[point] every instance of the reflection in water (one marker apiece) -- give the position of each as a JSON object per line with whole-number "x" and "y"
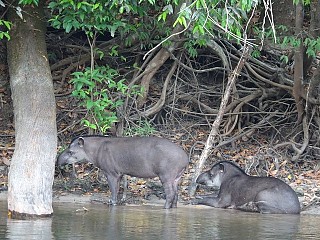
{"x": 259, "y": 227}
{"x": 29, "y": 229}
{"x": 147, "y": 222}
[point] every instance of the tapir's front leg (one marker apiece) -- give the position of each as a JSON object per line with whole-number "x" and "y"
{"x": 218, "y": 202}
{"x": 206, "y": 196}
{"x": 114, "y": 184}
{"x": 209, "y": 201}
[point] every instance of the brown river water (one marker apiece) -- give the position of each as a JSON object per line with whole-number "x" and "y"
{"x": 152, "y": 222}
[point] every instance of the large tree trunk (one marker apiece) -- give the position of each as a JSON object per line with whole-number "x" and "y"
{"x": 32, "y": 166}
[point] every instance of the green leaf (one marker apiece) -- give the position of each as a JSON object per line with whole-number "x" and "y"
{"x": 67, "y": 27}
{"x": 176, "y": 22}
{"x": 89, "y": 104}
{"x": 168, "y": 8}
{"x": 284, "y": 58}
{"x": 184, "y": 22}
{"x": 311, "y": 53}
{"x": 26, "y": 2}
{"x": 7, "y": 24}
{"x": 7, "y": 35}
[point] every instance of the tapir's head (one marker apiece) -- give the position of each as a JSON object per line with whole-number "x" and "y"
{"x": 212, "y": 177}
{"x": 74, "y": 153}
{"x": 219, "y": 173}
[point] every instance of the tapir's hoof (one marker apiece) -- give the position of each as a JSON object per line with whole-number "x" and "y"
{"x": 198, "y": 197}
{"x": 195, "y": 201}
{"x": 112, "y": 203}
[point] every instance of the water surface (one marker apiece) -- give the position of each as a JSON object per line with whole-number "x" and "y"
{"x": 153, "y": 222}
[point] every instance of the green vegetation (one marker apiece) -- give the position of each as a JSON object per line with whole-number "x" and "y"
{"x": 92, "y": 88}
{"x": 143, "y": 128}
{"x": 150, "y": 24}
{"x": 128, "y": 19}
{"x": 5, "y": 34}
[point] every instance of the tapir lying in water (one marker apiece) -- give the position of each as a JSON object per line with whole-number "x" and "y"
{"x": 144, "y": 157}
{"x": 241, "y": 191}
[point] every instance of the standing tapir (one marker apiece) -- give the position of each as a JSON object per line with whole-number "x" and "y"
{"x": 144, "y": 157}
{"x": 244, "y": 192}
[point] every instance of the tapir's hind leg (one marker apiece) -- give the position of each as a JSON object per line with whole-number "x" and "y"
{"x": 175, "y": 199}
{"x": 170, "y": 181}
{"x": 125, "y": 188}
{"x": 170, "y": 193}
{"x": 175, "y": 189}
{"x": 273, "y": 201}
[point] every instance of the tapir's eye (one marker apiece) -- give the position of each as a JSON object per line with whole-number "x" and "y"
{"x": 71, "y": 153}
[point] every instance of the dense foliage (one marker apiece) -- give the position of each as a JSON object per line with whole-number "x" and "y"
{"x": 148, "y": 23}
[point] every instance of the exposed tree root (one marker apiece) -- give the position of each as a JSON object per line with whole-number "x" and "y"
{"x": 186, "y": 92}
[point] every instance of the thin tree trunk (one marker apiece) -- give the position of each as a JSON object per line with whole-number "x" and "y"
{"x": 32, "y": 166}
{"x": 215, "y": 126}
{"x": 298, "y": 63}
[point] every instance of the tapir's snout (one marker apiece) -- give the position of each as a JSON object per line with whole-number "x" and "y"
{"x": 209, "y": 179}
{"x": 74, "y": 153}
{"x": 62, "y": 160}
{"x": 202, "y": 179}
{"x": 61, "y": 163}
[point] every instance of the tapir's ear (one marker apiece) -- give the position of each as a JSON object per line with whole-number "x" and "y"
{"x": 81, "y": 142}
{"x": 221, "y": 167}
